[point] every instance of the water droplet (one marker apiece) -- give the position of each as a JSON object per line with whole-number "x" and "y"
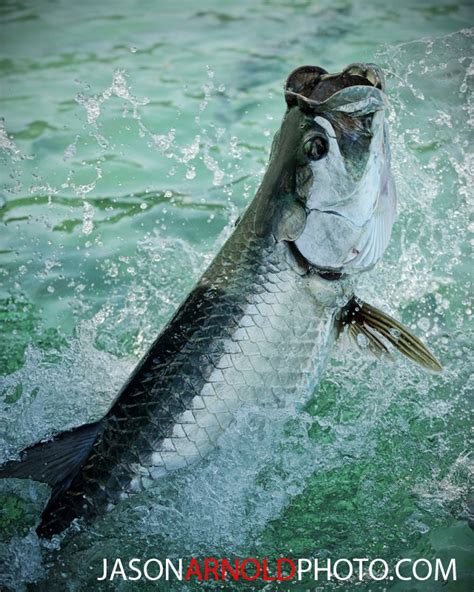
{"x": 87, "y": 218}
{"x": 395, "y": 333}
{"x": 424, "y": 324}
{"x": 191, "y": 173}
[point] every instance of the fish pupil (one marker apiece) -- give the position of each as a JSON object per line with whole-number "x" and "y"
{"x": 316, "y": 148}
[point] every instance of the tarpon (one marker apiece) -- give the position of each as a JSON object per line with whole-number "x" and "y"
{"x": 262, "y": 319}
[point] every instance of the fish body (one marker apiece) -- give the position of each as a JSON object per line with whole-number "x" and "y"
{"x": 255, "y": 333}
{"x": 261, "y": 321}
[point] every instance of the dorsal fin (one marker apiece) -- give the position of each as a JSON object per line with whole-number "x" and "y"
{"x": 56, "y": 460}
{"x": 379, "y": 327}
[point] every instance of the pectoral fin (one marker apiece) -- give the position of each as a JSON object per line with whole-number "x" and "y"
{"x": 379, "y": 329}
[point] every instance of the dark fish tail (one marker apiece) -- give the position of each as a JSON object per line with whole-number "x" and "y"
{"x": 55, "y": 462}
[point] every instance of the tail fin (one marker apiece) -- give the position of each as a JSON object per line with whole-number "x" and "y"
{"x": 56, "y": 461}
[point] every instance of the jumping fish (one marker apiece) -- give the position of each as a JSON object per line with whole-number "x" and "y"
{"x": 262, "y": 319}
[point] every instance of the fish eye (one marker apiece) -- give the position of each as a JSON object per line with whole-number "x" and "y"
{"x": 316, "y": 147}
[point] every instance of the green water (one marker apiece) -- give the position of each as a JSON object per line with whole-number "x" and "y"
{"x": 134, "y": 134}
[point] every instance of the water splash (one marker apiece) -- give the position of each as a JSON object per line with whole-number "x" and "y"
{"x": 8, "y": 145}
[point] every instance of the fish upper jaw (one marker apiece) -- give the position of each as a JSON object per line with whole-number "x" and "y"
{"x": 371, "y": 72}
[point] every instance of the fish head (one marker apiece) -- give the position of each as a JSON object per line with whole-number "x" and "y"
{"x": 332, "y": 156}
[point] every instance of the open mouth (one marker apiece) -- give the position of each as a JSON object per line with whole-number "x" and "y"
{"x": 316, "y": 84}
